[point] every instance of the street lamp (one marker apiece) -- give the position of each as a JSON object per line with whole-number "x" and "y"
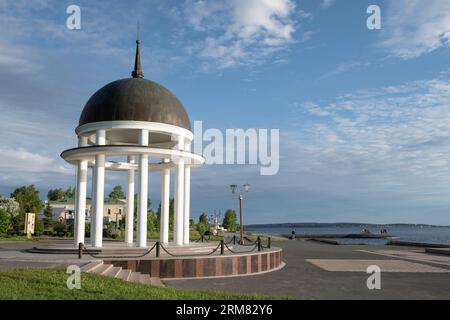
{"x": 233, "y": 188}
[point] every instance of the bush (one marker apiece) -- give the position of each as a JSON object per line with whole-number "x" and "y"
{"x": 60, "y": 229}
{"x": 111, "y": 233}
{"x": 87, "y": 230}
{"x": 202, "y": 228}
{"x": 5, "y": 221}
{"x": 39, "y": 227}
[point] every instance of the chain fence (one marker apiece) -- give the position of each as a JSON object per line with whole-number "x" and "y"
{"x": 256, "y": 245}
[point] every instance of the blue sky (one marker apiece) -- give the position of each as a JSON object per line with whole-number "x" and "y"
{"x": 363, "y": 114}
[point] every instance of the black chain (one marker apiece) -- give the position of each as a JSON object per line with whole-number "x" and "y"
{"x": 232, "y": 251}
{"x": 117, "y": 257}
{"x": 189, "y": 255}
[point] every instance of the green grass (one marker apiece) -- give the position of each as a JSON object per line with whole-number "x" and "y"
{"x": 50, "y": 284}
{"x": 16, "y": 238}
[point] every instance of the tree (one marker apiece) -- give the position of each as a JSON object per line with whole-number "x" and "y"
{"x": 171, "y": 213}
{"x": 48, "y": 216}
{"x": 136, "y": 201}
{"x": 69, "y": 193}
{"x": 38, "y": 227}
{"x": 117, "y": 193}
{"x": 151, "y": 221}
{"x": 203, "y": 218}
{"x": 230, "y": 220}
{"x": 28, "y": 199}
{"x": 5, "y": 221}
{"x": 55, "y": 194}
{"x": 202, "y": 225}
{"x": 10, "y": 205}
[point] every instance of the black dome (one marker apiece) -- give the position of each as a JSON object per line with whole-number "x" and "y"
{"x": 135, "y": 99}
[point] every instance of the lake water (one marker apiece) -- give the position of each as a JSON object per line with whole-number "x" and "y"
{"x": 406, "y": 233}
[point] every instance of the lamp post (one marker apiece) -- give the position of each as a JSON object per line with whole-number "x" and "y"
{"x": 233, "y": 188}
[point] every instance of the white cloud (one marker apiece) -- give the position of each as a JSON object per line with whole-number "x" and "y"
{"x": 415, "y": 27}
{"x": 344, "y": 67}
{"x": 325, "y": 4}
{"x": 241, "y": 32}
{"x": 396, "y": 139}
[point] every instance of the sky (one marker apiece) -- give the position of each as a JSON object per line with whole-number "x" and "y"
{"x": 364, "y": 115}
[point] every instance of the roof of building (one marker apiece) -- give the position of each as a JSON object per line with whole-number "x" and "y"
{"x": 135, "y": 99}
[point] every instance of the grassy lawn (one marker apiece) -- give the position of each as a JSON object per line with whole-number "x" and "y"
{"x": 50, "y": 284}
{"x": 16, "y": 238}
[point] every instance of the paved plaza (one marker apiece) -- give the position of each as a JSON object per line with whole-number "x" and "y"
{"x": 312, "y": 270}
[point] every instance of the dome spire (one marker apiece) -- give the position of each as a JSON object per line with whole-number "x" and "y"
{"x": 137, "y": 72}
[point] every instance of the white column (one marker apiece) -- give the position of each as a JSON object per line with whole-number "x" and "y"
{"x": 165, "y": 204}
{"x": 99, "y": 189}
{"x": 187, "y": 198}
{"x": 129, "y": 221}
{"x": 92, "y": 236}
{"x": 143, "y": 192}
{"x": 179, "y": 196}
{"x": 80, "y": 205}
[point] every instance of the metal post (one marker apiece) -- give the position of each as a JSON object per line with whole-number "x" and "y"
{"x": 222, "y": 249}
{"x": 259, "y": 243}
{"x": 269, "y": 242}
{"x": 158, "y": 247}
{"x": 234, "y": 239}
{"x": 80, "y": 250}
{"x": 241, "y": 241}
{"x": 203, "y": 238}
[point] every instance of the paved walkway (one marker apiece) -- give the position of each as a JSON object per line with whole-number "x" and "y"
{"x": 313, "y": 270}
{"x": 407, "y": 278}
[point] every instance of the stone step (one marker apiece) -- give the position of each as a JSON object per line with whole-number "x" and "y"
{"x": 91, "y": 266}
{"x": 124, "y": 274}
{"x": 134, "y": 277}
{"x": 154, "y": 281}
{"x": 144, "y": 279}
{"x": 112, "y": 272}
{"x": 102, "y": 269}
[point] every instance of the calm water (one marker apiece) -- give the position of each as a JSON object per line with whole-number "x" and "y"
{"x": 406, "y": 233}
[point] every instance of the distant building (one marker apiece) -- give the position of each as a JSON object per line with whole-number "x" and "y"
{"x": 64, "y": 209}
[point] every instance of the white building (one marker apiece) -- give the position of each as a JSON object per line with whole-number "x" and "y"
{"x": 143, "y": 123}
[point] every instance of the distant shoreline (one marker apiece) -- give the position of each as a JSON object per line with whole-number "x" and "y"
{"x": 338, "y": 224}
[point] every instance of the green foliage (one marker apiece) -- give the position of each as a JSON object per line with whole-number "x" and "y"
{"x": 117, "y": 193}
{"x": 202, "y": 227}
{"x": 87, "y": 230}
{"x": 122, "y": 223}
{"x": 60, "y": 229}
{"x": 69, "y": 193}
{"x": 230, "y": 220}
{"x": 151, "y": 222}
{"x": 10, "y": 205}
{"x": 17, "y": 224}
{"x": 50, "y": 284}
{"x": 191, "y": 223}
{"x": 28, "y": 199}
{"x": 149, "y": 204}
{"x": 171, "y": 213}
{"x": 38, "y": 227}
{"x": 48, "y": 216}
{"x": 203, "y": 218}
{"x": 111, "y": 232}
{"x": 5, "y": 221}
{"x": 55, "y": 194}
